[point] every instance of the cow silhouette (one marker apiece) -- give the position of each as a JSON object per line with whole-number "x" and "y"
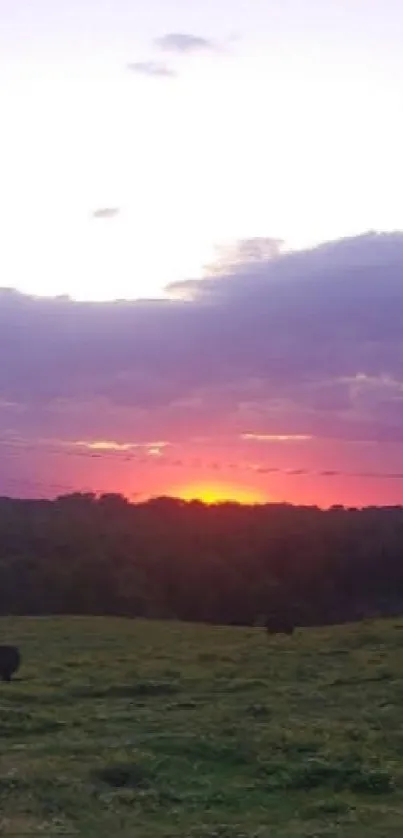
{"x": 10, "y": 660}
{"x": 279, "y": 625}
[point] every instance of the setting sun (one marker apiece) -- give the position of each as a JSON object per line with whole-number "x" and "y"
{"x": 211, "y": 493}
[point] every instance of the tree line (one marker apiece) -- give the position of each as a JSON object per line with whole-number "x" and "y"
{"x": 226, "y": 563}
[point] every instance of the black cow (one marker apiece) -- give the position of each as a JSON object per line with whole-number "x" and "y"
{"x": 10, "y": 660}
{"x": 280, "y": 625}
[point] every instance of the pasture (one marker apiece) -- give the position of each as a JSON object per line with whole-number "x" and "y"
{"x": 131, "y": 728}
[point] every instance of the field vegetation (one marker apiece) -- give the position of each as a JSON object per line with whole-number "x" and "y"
{"x": 120, "y": 727}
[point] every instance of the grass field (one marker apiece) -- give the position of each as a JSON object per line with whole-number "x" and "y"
{"x": 132, "y": 728}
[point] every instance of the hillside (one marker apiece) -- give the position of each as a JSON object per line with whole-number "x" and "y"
{"x": 126, "y": 727}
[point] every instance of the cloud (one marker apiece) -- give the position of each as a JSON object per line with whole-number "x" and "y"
{"x": 304, "y": 347}
{"x": 153, "y": 69}
{"x": 106, "y": 212}
{"x": 248, "y": 251}
{"x": 184, "y": 43}
{"x": 119, "y": 447}
{"x": 277, "y": 437}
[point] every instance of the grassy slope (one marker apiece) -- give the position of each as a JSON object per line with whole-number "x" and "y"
{"x": 122, "y": 728}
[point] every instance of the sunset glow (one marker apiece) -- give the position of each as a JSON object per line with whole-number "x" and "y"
{"x": 210, "y": 493}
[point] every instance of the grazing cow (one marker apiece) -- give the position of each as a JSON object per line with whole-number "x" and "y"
{"x": 280, "y": 625}
{"x": 10, "y": 660}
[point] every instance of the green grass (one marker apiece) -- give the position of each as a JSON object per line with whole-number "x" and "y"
{"x": 132, "y": 728}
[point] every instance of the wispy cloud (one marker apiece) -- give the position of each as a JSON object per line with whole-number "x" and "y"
{"x": 111, "y": 445}
{"x": 153, "y": 69}
{"x": 184, "y": 43}
{"x": 104, "y": 445}
{"x": 277, "y": 437}
{"x": 106, "y": 212}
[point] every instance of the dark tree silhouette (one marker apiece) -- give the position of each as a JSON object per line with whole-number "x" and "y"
{"x": 274, "y": 565}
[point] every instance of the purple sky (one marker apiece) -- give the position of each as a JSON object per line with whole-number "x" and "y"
{"x": 157, "y": 154}
{"x": 287, "y": 372}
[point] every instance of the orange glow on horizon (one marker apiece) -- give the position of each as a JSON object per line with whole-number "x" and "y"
{"x": 210, "y": 493}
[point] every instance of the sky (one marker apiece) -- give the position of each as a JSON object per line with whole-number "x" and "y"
{"x": 196, "y": 301}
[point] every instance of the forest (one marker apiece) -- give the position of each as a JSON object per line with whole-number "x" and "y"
{"x": 222, "y": 564}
